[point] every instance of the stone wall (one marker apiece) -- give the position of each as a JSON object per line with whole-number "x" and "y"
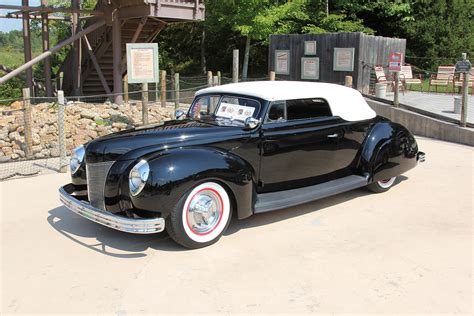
{"x": 83, "y": 122}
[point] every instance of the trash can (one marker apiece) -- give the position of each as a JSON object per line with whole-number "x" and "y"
{"x": 457, "y": 105}
{"x": 380, "y": 90}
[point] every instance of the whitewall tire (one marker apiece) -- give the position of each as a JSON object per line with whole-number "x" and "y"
{"x": 201, "y": 216}
{"x": 382, "y": 185}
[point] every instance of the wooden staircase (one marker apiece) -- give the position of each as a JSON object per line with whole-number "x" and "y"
{"x": 150, "y": 15}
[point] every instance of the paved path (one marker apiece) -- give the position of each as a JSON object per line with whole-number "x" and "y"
{"x": 405, "y": 251}
{"x": 439, "y": 103}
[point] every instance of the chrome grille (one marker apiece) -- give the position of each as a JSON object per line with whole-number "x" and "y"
{"x": 96, "y": 177}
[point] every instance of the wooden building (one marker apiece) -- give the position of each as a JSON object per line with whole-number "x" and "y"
{"x": 329, "y": 57}
{"x": 96, "y": 64}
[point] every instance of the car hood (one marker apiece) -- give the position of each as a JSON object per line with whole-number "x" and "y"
{"x": 134, "y": 143}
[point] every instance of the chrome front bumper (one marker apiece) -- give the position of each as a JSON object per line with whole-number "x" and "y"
{"x": 125, "y": 224}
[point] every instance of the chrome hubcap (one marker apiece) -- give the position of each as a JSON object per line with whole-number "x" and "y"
{"x": 204, "y": 212}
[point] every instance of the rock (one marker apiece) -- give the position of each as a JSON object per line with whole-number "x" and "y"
{"x": 20, "y": 129}
{"x": 36, "y": 139}
{"x": 15, "y": 136}
{"x": 54, "y": 152}
{"x": 45, "y": 152}
{"x": 15, "y": 156}
{"x": 16, "y": 105}
{"x": 92, "y": 134}
{"x": 4, "y": 133}
{"x": 39, "y": 155}
{"x": 19, "y": 152}
{"x": 7, "y": 150}
{"x": 5, "y": 158}
{"x": 13, "y": 127}
{"x": 119, "y": 125}
{"x": 37, "y": 149}
{"x": 87, "y": 114}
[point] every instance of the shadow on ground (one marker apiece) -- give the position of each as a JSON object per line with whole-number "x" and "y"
{"x": 128, "y": 246}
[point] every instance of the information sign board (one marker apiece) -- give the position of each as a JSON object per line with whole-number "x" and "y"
{"x": 343, "y": 59}
{"x": 142, "y": 62}
{"x": 310, "y": 68}
{"x": 395, "y": 62}
{"x": 463, "y": 66}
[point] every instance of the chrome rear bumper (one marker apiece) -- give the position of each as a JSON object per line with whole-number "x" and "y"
{"x": 125, "y": 224}
{"x": 420, "y": 157}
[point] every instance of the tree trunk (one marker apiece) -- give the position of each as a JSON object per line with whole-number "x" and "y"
{"x": 203, "y": 52}
{"x": 245, "y": 65}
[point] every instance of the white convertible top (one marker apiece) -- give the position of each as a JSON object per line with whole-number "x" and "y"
{"x": 345, "y": 102}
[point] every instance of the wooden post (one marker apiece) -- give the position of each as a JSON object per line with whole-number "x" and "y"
{"x": 75, "y": 4}
{"x": 28, "y": 122}
{"x": 61, "y": 79}
{"x": 235, "y": 66}
{"x": 219, "y": 78}
{"x": 215, "y": 81}
{"x": 272, "y": 76}
{"x": 465, "y": 88}
{"x": 47, "y": 61}
{"x": 396, "y": 102}
{"x": 163, "y": 88}
{"x": 209, "y": 78}
{"x": 125, "y": 88}
{"x": 348, "y": 81}
{"x": 61, "y": 133}
{"x": 144, "y": 103}
{"x": 176, "y": 91}
{"x": 117, "y": 58}
{"x": 27, "y": 46}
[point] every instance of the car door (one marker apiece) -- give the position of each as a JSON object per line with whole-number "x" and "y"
{"x": 299, "y": 143}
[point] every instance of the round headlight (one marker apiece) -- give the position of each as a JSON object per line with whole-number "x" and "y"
{"x": 138, "y": 177}
{"x": 77, "y": 157}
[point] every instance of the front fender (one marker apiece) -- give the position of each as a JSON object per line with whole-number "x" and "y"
{"x": 174, "y": 172}
{"x": 388, "y": 150}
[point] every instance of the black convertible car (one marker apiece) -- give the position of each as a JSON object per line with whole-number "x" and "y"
{"x": 241, "y": 149}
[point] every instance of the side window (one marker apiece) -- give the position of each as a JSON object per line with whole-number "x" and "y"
{"x": 307, "y": 108}
{"x": 277, "y": 112}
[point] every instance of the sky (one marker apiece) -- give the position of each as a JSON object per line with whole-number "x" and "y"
{"x": 7, "y": 25}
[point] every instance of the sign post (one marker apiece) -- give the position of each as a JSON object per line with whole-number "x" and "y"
{"x": 464, "y": 67}
{"x": 395, "y": 66}
{"x": 142, "y": 67}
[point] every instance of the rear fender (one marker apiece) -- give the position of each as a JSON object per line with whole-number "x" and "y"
{"x": 389, "y": 150}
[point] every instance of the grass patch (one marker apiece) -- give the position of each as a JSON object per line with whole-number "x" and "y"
{"x": 439, "y": 89}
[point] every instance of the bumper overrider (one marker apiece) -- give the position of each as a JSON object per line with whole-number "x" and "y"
{"x": 125, "y": 224}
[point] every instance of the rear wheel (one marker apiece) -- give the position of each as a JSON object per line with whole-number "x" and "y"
{"x": 200, "y": 217}
{"x": 382, "y": 185}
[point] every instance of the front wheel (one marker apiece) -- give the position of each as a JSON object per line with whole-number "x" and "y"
{"x": 382, "y": 185}
{"x": 200, "y": 217}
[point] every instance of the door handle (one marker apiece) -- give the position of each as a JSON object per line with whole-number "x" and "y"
{"x": 335, "y": 135}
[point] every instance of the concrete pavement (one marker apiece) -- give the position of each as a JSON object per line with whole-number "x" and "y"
{"x": 408, "y": 250}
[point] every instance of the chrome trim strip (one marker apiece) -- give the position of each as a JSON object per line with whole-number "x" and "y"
{"x": 125, "y": 224}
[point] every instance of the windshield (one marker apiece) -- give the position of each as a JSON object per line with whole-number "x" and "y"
{"x": 224, "y": 108}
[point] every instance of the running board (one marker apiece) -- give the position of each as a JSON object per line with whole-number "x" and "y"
{"x": 282, "y": 199}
